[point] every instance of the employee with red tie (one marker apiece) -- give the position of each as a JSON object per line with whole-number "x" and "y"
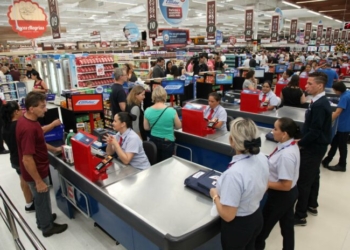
{"x": 216, "y": 113}
{"x": 282, "y": 191}
{"x": 267, "y": 97}
{"x": 126, "y": 144}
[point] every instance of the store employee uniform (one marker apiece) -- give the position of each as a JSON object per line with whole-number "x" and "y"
{"x": 243, "y": 186}
{"x": 130, "y": 142}
{"x": 284, "y": 81}
{"x": 220, "y": 113}
{"x": 273, "y": 100}
{"x": 316, "y": 135}
{"x": 284, "y": 164}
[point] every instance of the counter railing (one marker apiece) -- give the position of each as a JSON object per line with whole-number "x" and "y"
{"x": 11, "y": 215}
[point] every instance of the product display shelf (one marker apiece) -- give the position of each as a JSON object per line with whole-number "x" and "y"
{"x": 107, "y": 111}
{"x": 9, "y": 91}
{"x": 97, "y": 69}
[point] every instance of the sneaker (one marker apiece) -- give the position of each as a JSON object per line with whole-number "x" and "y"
{"x": 30, "y": 209}
{"x": 325, "y": 164}
{"x": 312, "y": 211}
{"x": 337, "y": 168}
{"x": 56, "y": 229}
{"x": 54, "y": 216}
{"x": 300, "y": 222}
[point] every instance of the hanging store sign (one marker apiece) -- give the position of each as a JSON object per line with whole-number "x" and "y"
{"x": 219, "y": 37}
{"x": 152, "y": 18}
{"x": 174, "y": 12}
{"x": 27, "y": 19}
{"x": 343, "y": 36}
{"x": 319, "y": 33}
{"x": 293, "y": 30}
{"x": 336, "y": 36}
{"x": 211, "y": 20}
{"x": 175, "y": 38}
{"x": 131, "y": 32}
{"x": 54, "y": 19}
{"x": 328, "y": 36}
{"x": 307, "y": 32}
{"x": 274, "y": 28}
{"x": 248, "y": 25}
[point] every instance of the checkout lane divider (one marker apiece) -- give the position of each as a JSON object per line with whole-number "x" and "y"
{"x": 181, "y": 146}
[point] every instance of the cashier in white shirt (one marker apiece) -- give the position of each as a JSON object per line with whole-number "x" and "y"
{"x": 215, "y": 112}
{"x": 282, "y": 190}
{"x": 286, "y": 76}
{"x": 267, "y": 97}
{"x": 241, "y": 187}
{"x": 126, "y": 144}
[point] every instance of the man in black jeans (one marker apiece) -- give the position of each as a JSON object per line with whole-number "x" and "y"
{"x": 316, "y": 135}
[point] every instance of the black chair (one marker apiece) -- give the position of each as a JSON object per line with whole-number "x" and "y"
{"x": 151, "y": 151}
{"x": 229, "y": 120}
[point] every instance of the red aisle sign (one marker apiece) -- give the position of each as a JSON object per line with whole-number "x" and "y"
{"x": 248, "y": 25}
{"x": 211, "y": 20}
{"x": 27, "y": 19}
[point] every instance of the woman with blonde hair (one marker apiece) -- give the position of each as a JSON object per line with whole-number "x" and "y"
{"x": 162, "y": 120}
{"x": 134, "y": 106}
{"x": 241, "y": 187}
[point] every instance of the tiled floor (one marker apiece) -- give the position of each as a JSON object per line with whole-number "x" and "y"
{"x": 330, "y": 230}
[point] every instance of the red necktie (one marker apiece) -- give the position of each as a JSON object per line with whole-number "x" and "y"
{"x": 210, "y": 114}
{"x": 120, "y": 140}
{"x": 263, "y": 98}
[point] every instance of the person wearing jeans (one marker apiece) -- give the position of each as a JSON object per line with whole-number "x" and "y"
{"x": 341, "y": 137}
{"x": 34, "y": 161}
{"x": 161, "y": 120}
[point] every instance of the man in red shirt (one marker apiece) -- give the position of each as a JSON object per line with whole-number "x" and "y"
{"x": 14, "y": 73}
{"x": 34, "y": 161}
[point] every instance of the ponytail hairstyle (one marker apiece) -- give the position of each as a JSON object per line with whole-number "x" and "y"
{"x": 244, "y": 136}
{"x": 290, "y": 127}
{"x": 8, "y": 110}
{"x": 36, "y": 73}
{"x": 127, "y": 118}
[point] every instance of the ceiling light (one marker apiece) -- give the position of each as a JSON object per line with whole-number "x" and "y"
{"x": 199, "y": 1}
{"x": 220, "y": 5}
{"x": 338, "y": 21}
{"x": 267, "y": 15}
{"x": 136, "y": 10}
{"x": 118, "y": 2}
{"x": 237, "y": 8}
{"x": 313, "y": 12}
{"x": 328, "y": 17}
{"x": 293, "y": 5}
{"x": 311, "y": 1}
{"x": 288, "y": 20}
{"x": 87, "y": 11}
{"x": 331, "y": 10}
{"x": 229, "y": 24}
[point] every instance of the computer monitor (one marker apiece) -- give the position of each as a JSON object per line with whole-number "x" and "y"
{"x": 297, "y": 66}
{"x": 280, "y": 69}
{"x": 259, "y": 73}
{"x": 174, "y": 87}
{"x": 225, "y": 78}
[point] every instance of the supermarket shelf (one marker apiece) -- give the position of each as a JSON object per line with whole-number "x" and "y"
{"x": 136, "y": 69}
{"x": 100, "y": 78}
{"x": 83, "y": 73}
{"x": 106, "y": 107}
{"x": 94, "y": 64}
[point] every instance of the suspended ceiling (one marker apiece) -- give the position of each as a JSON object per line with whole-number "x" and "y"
{"x": 81, "y": 17}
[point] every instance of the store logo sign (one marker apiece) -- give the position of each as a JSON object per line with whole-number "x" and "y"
{"x": 86, "y": 102}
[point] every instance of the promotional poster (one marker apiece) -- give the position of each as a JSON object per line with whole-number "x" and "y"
{"x": 174, "y": 12}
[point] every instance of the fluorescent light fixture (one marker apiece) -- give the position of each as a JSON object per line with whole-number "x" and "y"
{"x": 220, "y": 5}
{"x": 288, "y": 20}
{"x": 117, "y": 2}
{"x": 331, "y": 10}
{"x": 338, "y": 21}
{"x": 229, "y": 24}
{"x": 328, "y": 17}
{"x": 293, "y": 5}
{"x": 314, "y": 25}
{"x": 313, "y": 12}
{"x": 267, "y": 15}
{"x": 311, "y": 1}
{"x": 136, "y": 10}
{"x": 237, "y": 8}
{"x": 199, "y": 1}
{"x": 87, "y": 11}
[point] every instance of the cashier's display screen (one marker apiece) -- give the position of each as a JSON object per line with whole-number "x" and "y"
{"x": 84, "y": 139}
{"x": 259, "y": 73}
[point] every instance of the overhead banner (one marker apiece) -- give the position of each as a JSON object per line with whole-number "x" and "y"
{"x": 27, "y": 19}
{"x": 219, "y": 37}
{"x": 293, "y": 30}
{"x": 274, "y": 28}
{"x": 307, "y": 32}
{"x": 54, "y": 19}
{"x": 211, "y": 20}
{"x": 248, "y": 25}
{"x": 319, "y": 33}
{"x": 343, "y": 36}
{"x": 175, "y": 38}
{"x": 336, "y": 36}
{"x": 131, "y": 32}
{"x": 174, "y": 12}
{"x": 152, "y": 23}
{"x": 328, "y": 36}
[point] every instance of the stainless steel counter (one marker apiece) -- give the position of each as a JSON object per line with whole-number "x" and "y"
{"x": 154, "y": 202}
{"x": 267, "y": 117}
